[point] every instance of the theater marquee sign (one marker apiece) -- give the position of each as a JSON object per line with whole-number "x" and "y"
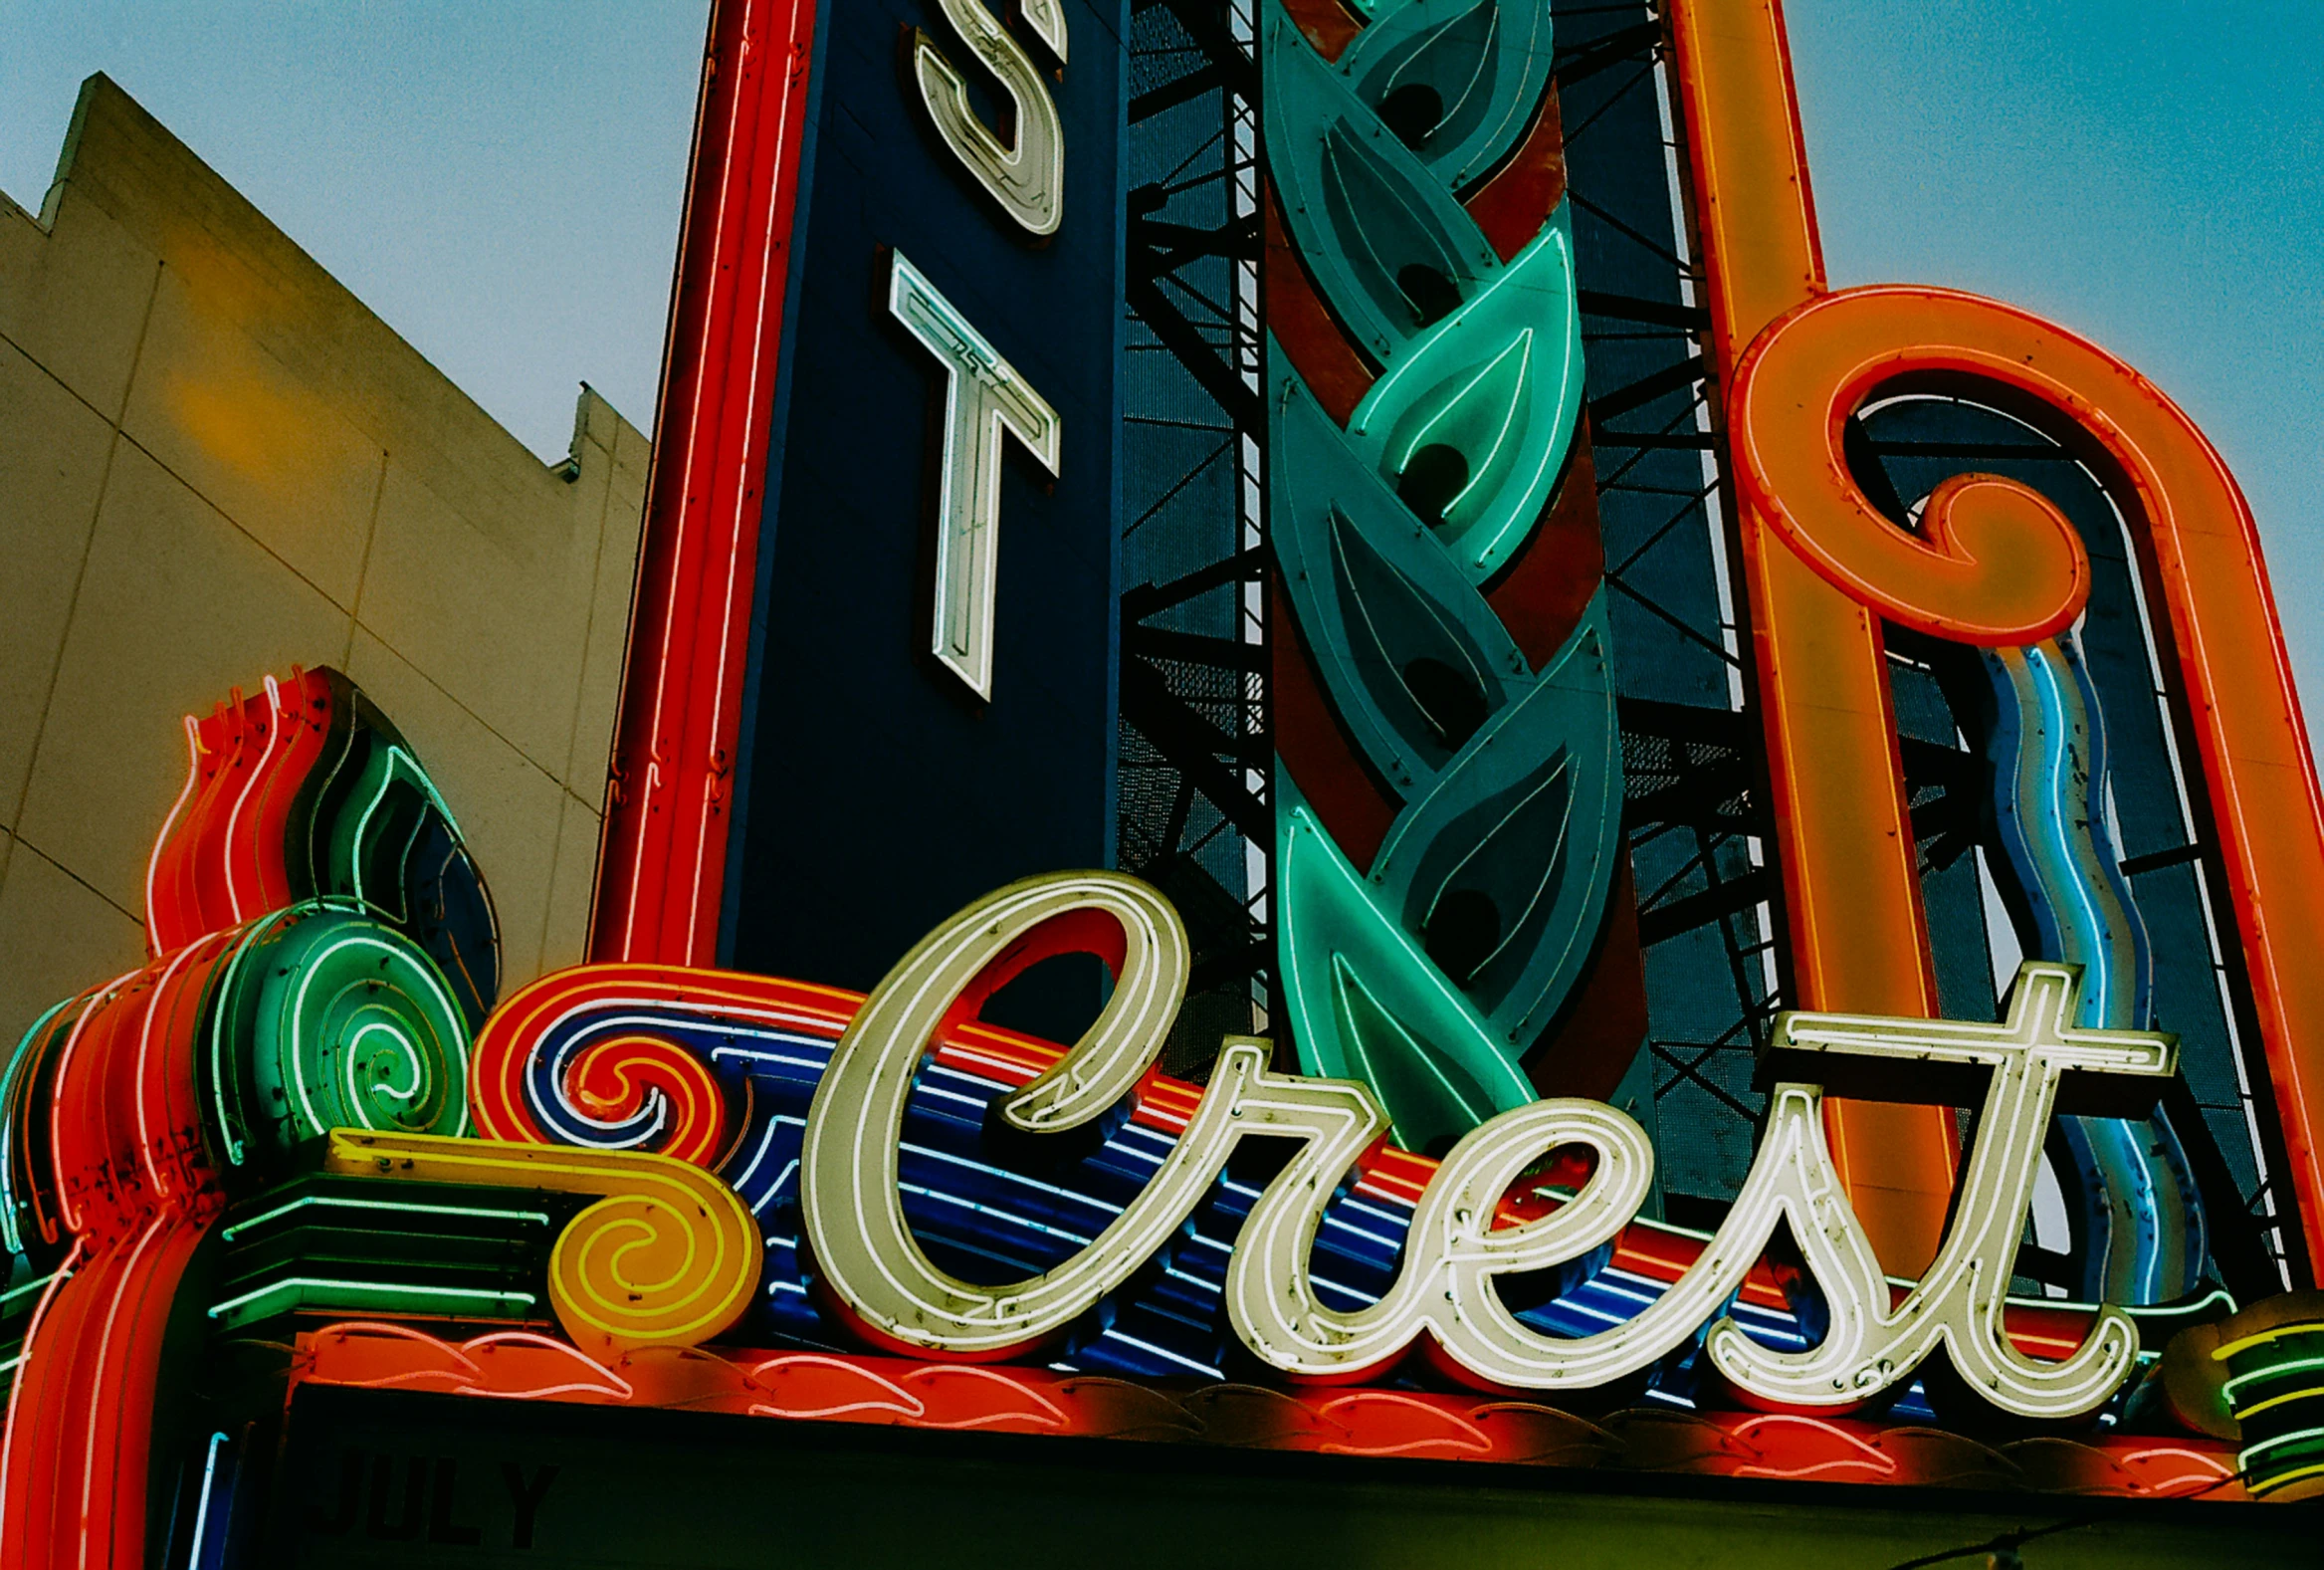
{"x": 780, "y": 1166}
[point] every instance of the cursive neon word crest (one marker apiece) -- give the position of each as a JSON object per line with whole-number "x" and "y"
{"x": 1444, "y": 1297}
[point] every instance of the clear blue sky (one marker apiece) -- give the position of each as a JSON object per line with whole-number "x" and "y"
{"x": 2147, "y": 172}
{"x": 500, "y": 181}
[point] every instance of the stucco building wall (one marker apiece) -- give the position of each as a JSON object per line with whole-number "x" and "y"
{"x": 216, "y": 464}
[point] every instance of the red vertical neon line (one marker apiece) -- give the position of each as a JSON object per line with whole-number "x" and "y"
{"x": 158, "y": 941}
{"x": 33, "y": 1346}
{"x": 662, "y": 859}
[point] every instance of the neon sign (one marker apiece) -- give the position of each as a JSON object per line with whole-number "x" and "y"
{"x": 1027, "y": 179}
{"x": 985, "y": 401}
{"x": 1454, "y": 1250}
{"x": 311, "y": 1129}
{"x": 642, "y": 1133}
{"x": 1993, "y": 563}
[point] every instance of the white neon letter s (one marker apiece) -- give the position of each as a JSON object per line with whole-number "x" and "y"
{"x": 983, "y": 397}
{"x": 1028, "y": 179}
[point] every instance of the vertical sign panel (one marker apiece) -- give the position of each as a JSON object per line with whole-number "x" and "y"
{"x": 929, "y": 707}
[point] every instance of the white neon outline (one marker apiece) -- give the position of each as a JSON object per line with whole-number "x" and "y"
{"x": 193, "y": 778}
{"x": 1028, "y": 179}
{"x": 258, "y": 771}
{"x": 853, "y": 1223}
{"x": 984, "y": 397}
{"x": 849, "y": 1158}
{"x": 745, "y": 497}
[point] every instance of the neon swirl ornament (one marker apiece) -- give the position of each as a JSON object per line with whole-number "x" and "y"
{"x": 1432, "y": 973}
{"x": 1994, "y": 562}
{"x": 324, "y": 1019}
{"x": 2141, "y": 1227}
{"x": 667, "y": 1257}
{"x": 305, "y": 790}
{"x": 264, "y": 1017}
{"x": 657, "y": 1058}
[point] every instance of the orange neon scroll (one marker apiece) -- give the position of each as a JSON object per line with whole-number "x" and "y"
{"x": 1994, "y": 563}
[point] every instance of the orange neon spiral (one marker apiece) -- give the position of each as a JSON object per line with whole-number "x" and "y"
{"x": 612, "y": 1080}
{"x": 1994, "y": 562}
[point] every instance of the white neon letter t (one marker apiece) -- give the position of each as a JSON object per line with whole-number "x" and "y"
{"x": 983, "y": 397}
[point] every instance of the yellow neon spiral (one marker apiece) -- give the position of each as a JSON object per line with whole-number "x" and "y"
{"x": 669, "y": 1256}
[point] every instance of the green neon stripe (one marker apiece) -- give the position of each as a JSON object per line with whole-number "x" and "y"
{"x": 297, "y": 1282}
{"x": 2274, "y": 1371}
{"x": 15, "y": 1293}
{"x": 2234, "y": 1349}
{"x": 2243, "y": 1461}
{"x": 238, "y": 1227}
{"x": 2271, "y": 1484}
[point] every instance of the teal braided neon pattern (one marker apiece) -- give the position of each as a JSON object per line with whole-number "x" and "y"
{"x": 1433, "y": 972}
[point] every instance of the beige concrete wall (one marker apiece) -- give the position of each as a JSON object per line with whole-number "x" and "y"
{"x": 215, "y": 464}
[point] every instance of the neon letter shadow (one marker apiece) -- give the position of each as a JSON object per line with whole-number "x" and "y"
{"x": 1028, "y": 179}
{"x": 894, "y": 1296}
{"x": 983, "y": 397}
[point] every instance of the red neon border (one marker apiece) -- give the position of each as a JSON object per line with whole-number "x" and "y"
{"x": 799, "y": 1385}
{"x": 662, "y": 858}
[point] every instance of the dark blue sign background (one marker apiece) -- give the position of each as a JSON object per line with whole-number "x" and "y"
{"x": 875, "y": 794}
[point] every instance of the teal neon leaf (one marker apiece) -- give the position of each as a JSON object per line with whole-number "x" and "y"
{"x": 1528, "y": 821}
{"x": 1383, "y": 606}
{"x": 1432, "y": 1098}
{"x": 1364, "y": 1001}
{"x": 1482, "y": 65}
{"x": 1499, "y": 383}
{"x": 1390, "y": 244}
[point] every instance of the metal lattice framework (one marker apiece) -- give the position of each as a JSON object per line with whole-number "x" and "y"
{"x": 1195, "y": 813}
{"x": 1694, "y": 813}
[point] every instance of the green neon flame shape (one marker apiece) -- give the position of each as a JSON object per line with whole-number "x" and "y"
{"x": 1402, "y": 1027}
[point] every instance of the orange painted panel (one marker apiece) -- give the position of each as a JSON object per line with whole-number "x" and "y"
{"x": 1852, "y": 900}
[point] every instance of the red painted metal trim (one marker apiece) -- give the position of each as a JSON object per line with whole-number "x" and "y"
{"x": 662, "y": 858}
